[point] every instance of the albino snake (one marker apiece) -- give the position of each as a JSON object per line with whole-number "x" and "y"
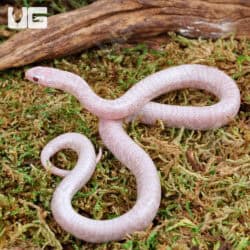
{"x": 136, "y": 102}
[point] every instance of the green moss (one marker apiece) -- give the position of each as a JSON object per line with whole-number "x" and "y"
{"x": 208, "y": 207}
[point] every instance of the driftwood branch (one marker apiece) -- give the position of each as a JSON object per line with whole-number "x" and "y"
{"x": 3, "y": 14}
{"x": 116, "y": 20}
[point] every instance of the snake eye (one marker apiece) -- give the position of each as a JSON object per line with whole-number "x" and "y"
{"x": 36, "y": 79}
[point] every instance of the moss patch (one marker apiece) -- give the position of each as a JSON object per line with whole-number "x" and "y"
{"x": 204, "y": 175}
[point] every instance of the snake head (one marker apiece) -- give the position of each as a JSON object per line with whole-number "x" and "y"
{"x": 46, "y": 76}
{"x": 54, "y": 78}
{"x": 40, "y": 75}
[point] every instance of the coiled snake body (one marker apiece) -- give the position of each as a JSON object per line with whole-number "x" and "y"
{"x": 134, "y": 103}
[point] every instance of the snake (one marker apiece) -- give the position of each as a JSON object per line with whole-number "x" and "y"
{"x": 136, "y": 103}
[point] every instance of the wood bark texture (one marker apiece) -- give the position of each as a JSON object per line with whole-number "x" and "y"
{"x": 125, "y": 20}
{"x": 3, "y": 14}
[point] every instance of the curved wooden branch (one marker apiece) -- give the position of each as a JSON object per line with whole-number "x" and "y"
{"x": 109, "y": 21}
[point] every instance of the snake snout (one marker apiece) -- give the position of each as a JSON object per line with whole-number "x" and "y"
{"x": 32, "y": 76}
{"x": 37, "y": 75}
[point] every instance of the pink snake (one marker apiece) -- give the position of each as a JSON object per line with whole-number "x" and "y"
{"x": 135, "y": 103}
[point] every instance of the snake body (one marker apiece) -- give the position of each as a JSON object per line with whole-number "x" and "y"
{"x": 135, "y": 103}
